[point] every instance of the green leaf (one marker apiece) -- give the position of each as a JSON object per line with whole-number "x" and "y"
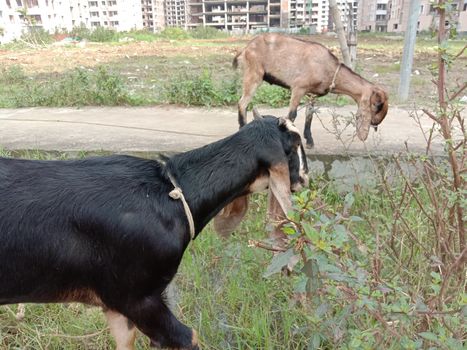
{"x": 356, "y": 218}
{"x": 300, "y": 285}
{"x": 289, "y": 230}
{"x": 278, "y": 262}
{"x": 429, "y": 336}
{"x": 348, "y": 201}
{"x": 315, "y": 342}
{"x": 311, "y": 232}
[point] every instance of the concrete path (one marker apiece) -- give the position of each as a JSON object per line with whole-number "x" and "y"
{"x": 176, "y": 129}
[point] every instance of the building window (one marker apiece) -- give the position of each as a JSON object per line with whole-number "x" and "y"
{"x": 380, "y": 17}
{"x": 395, "y": 25}
{"x": 381, "y": 7}
{"x": 95, "y": 24}
{"x": 93, "y": 3}
{"x": 19, "y": 3}
{"x": 8, "y": 3}
{"x": 94, "y": 14}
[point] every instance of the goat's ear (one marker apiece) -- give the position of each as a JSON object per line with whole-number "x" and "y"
{"x": 256, "y": 114}
{"x": 279, "y": 184}
{"x": 282, "y": 123}
{"x": 231, "y": 216}
{"x": 275, "y": 219}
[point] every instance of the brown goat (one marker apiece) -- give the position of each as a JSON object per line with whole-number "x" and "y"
{"x": 306, "y": 67}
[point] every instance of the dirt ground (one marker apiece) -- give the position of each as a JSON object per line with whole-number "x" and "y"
{"x": 378, "y": 58}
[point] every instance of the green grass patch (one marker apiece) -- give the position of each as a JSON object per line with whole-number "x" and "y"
{"x": 79, "y": 87}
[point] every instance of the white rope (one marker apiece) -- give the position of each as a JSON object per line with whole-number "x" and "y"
{"x": 333, "y": 83}
{"x": 177, "y": 193}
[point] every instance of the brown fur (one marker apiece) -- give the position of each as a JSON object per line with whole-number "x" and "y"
{"x": 307, "y": 68}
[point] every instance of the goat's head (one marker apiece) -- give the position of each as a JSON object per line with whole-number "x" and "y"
{"x": 372, "y": 109}
{"x": 283, "y": 177}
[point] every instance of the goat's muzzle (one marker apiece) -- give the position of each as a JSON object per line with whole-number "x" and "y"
{"x": 303, "y": 181}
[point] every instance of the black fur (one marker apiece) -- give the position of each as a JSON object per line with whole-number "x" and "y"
{"x": 108, "y": 226}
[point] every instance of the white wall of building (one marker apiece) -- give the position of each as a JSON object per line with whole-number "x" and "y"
{"x": 54, "y": 15}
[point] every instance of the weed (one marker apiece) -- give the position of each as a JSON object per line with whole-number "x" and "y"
{"x": 200, "y": 90}
{"x": 77, "y": 88}
{"x": 271, "y": 95}
{"x": 12, "y": 75}
{"x": 140, "y": 35}
{"x": 99, "y": 34}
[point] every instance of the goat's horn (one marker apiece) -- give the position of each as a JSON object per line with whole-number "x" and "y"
{"x": 256, "y": 114}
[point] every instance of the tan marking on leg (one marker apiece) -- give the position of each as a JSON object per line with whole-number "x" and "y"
{"x": 194, "y": 338}
{"x": 119, "y": 328}
{"x": 21, "y": 312}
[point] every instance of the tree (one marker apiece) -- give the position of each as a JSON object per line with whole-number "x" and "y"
{"x": 336, "y": 16}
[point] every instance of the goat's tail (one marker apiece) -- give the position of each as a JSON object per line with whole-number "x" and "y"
{"x": 235, "y": 60}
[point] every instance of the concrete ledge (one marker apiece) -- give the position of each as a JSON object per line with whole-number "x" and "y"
{"x": 176, "y": 129}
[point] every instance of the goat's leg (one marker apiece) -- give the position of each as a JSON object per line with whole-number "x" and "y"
{"x": 251, "y": 80}
{"x": 310, "y": 109}
{"x": 295, "y": 99}
{"x": 153, "y": 317}
{"x": 122, "y": 329}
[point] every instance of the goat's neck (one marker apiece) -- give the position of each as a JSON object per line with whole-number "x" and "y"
{"x": 212, "y": 177}
{"x": 351, "y": 84}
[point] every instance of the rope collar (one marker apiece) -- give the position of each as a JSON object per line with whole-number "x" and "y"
{"x": 333, "y": 83}
{"x": 177, "y": 193}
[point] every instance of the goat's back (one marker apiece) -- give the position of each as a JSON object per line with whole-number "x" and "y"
{"x": 287, "y": 58}
{"x": 69, "y": 224}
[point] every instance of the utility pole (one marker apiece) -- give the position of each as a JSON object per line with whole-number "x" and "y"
{"x": 409, "y": 48}
{"x": 336, "y": 16}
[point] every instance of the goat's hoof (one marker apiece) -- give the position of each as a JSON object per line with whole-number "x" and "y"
{"x": 310, "y": 145}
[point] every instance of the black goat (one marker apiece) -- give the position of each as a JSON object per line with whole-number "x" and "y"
{"x": 105, "y": 232}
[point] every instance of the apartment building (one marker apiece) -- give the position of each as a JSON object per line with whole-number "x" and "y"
{"x": 153, "y": 14}
{"x": 373, "y": 15}
{"x": 121, "y": 15}
{"x": 17, "y": 16}
{"x": 176, "y": 13}
{"x": 348, "y": 11}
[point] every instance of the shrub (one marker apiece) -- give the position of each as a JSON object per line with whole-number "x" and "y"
{"x": 174, "y": 34}
{"x": 140, "y": 35}
{"x": 36, "y": 36}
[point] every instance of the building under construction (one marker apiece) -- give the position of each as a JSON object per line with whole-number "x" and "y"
{"x": 248, "y": 15}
